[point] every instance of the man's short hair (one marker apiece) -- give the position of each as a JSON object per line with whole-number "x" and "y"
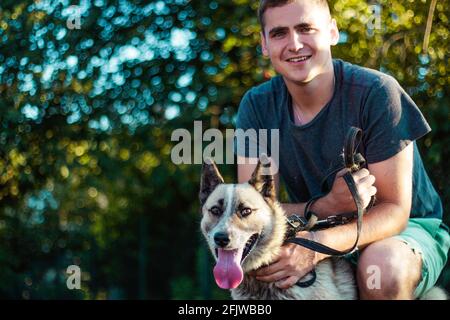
{"x": 266, "y": 4}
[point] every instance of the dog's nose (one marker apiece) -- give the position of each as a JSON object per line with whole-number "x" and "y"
{"x": 221, "y": 239}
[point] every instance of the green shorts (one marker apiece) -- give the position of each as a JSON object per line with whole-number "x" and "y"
{"x": 431, "y": 239}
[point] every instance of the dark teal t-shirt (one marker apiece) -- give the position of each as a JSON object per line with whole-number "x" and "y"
{"x": 363, "y": 98}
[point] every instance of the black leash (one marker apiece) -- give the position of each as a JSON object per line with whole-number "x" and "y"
{"x": 353, "y": 161}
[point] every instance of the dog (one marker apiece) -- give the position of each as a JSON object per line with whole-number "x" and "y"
{"x": 245, "y": 227}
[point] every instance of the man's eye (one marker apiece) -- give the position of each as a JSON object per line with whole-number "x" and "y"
{"x": 215, "y": 211}
{"x": 277, "y": 34}
{"x": 306, "y": 30}
{"x": 246, "y": 211}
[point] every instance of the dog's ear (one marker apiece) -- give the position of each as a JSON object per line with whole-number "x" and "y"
{"x": 211, "y": 178}
{"x": 262, "y": 179}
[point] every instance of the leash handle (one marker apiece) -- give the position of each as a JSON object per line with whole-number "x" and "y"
{"x": 352, "y": 160}
{"x": 321, "y": 248}
{"x": 352, "y": 141}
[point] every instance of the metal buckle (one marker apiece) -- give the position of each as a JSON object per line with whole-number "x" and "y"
{"x": 334, "y": 220}
{"x": 296, "y": 222}
{"x": 338, "y": 219}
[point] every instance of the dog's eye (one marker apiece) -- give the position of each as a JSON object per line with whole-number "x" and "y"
{"x": 246, "y": 211}
{"x": 215, "y": 211}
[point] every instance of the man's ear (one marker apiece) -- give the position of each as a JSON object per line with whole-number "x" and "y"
{"x": 334, "y": 33}
{"x": 210, "y": 179}
{"x": 262, "y": 180}
{"x": 264, "y": 44}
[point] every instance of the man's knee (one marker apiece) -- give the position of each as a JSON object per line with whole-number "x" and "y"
{"x": 388, "y": 269}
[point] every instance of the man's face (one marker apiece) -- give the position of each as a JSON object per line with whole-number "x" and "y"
{"x": 297, "y": 38}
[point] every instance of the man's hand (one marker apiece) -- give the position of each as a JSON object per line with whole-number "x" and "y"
{"x": 340, "y": 198}
{"x": 292, "y": 264}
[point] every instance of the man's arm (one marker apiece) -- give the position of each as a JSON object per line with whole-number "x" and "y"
{"x": 387, "y": 218}
{"x": 391, "y": 213}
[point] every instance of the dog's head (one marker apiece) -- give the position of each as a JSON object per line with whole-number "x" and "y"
{"x": 242, "y": 223}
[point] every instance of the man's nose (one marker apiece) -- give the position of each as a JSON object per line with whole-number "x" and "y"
{"x": 295, "y": 42}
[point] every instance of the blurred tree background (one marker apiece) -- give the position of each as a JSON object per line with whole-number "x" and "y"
{"x": 86, "y": 117}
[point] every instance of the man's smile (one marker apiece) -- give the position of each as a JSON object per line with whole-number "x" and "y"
{"x": 298, "y": 59}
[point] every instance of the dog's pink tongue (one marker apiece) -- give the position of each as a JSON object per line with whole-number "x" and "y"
{"x": 228, "y": 272}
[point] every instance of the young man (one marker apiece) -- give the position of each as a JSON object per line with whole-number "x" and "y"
{"x": 313, "y": 102}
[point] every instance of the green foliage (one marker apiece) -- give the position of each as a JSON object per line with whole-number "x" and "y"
{"x": 86, "y": 119}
